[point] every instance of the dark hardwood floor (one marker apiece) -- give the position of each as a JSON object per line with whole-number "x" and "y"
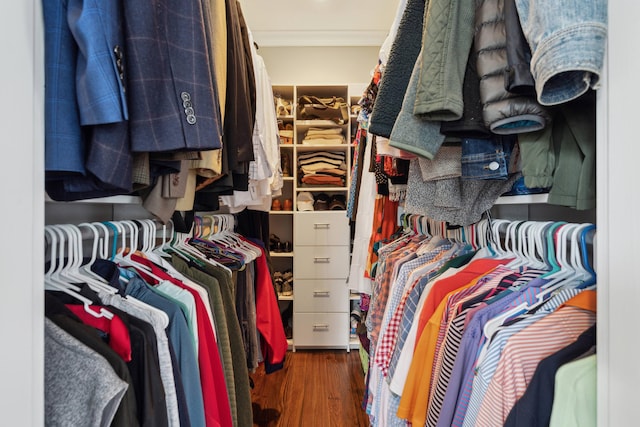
{"x": 315, "y": 388}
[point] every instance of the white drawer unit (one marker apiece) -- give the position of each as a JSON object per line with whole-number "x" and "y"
{"x": 321, "y": 296}
{"x": 321, "y": 329}
{"x": 321, "y": 262}
{"x": 321, "y": 228}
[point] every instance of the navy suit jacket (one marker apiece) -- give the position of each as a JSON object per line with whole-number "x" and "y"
{"x": 169, "y": 82}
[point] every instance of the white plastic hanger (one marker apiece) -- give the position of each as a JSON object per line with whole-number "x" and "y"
{"x": 54, "y": 282}
{"x": 93, "y": 279}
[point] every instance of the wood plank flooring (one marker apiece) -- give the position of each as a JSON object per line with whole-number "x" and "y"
{"x": 315, "y": 388}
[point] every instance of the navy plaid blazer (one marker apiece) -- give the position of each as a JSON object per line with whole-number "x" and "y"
{"x": 169, "y": 82}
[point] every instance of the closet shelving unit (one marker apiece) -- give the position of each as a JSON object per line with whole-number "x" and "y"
{"x": 321, "y": 298}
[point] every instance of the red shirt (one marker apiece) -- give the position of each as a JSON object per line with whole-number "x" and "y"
{"x": 217, "y": 410}
{"x": 119, "y": 339}
{"x": 268, "y": 320}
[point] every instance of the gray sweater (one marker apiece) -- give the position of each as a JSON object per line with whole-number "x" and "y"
{"x": 396, "y": 75}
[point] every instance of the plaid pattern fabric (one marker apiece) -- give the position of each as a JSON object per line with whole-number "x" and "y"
{"x": 169, "y": 83}
{"x": 410, "y": 311}
{"x": 97, "y": 28}
{"x": 397, "y": 303}
{"x": 382, "y": 283}
{"x": 64, "y": 144}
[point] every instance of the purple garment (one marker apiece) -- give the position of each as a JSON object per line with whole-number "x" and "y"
{"x": 459, "y": 388}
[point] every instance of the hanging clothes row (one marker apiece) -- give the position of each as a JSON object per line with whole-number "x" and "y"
{"x": 160, "y": 100}
{"x": 468, "y": 326}
{"x": 145, "y": 333}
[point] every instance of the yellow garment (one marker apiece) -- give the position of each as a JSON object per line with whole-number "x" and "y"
{"x": 415, "y": 395}
{"x": 186, "y": 203}
{"x": 215, "y": 15}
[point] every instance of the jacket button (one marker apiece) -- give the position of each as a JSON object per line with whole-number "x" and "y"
{"x": 185, "y": 96}
{"x": 191, "y": 119}
{"x": 494, "y": 165}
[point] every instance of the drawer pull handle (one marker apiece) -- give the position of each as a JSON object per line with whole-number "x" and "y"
{"x": 321, "y": 293}
{"x": 321, "y": 327}
{"x": 321, "y": 226}
{"x": 321, "y": 260}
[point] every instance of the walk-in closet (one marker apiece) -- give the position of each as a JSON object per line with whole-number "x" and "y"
{"x": 238, "y": 221}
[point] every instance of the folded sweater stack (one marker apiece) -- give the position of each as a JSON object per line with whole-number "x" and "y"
{"x": 323, "y": 168}
{"x": 323, "y": 136}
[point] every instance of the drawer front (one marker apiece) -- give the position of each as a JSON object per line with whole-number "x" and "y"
{"x": 321, "y": 329}
{"x": 321, "y": 228}
{"x": 321, "y": 262}
{"x": 331, "y": 295}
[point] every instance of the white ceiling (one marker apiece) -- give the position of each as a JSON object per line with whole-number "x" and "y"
{"x": 319, "y": 22}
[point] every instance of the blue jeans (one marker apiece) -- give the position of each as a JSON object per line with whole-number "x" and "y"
{"x": 487, "y": 158}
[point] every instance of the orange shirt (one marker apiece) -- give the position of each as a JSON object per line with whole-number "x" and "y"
{"x": 415, "y": 395}
{"x": 441, "y": 288}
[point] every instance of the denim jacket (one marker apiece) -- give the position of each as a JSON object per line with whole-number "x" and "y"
{"x": 567, "y": 39}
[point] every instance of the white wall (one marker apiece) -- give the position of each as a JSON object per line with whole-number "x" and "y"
{"x": 319, "y": 65}
{"x": 22, "y": 219}
{"x": 618, "y": 235}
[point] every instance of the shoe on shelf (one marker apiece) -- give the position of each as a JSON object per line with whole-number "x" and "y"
{"x": 277, "y": 282}
{"x": 287, "y": 287}
{"x": 286, "y": 164}
{"x": 321, "y": 202}
{"x": 276, "y": 205}
{"x": 286, "y": 139}
{"x": 287, "y": 205}
{"x": 288, "y": 332}
{"x": 283, "y": 107}
{"x": 287, "y": 247}
{"x": 274, "y": 243}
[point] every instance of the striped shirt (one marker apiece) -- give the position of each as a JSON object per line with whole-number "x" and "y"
{"x": 395, "y": 308}
{"x": 389, "y": 329}
{"x": 388, "y": 256}
{"x": 453, "y": 337}
{"x": 415, "y": 396}
{"x": 399, "y": 377}
{"x": 461, "y": 360}
{"x": 522, "y": 354}
{"x": 383, "y": 280}
{"x": 459, "y": 256}
{"x": 467, "y": 410}
{"x": 410, "y": 306}
{"x": 485, "y": 284}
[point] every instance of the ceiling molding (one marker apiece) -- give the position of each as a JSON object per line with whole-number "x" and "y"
{"x": 319, "y": 38}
